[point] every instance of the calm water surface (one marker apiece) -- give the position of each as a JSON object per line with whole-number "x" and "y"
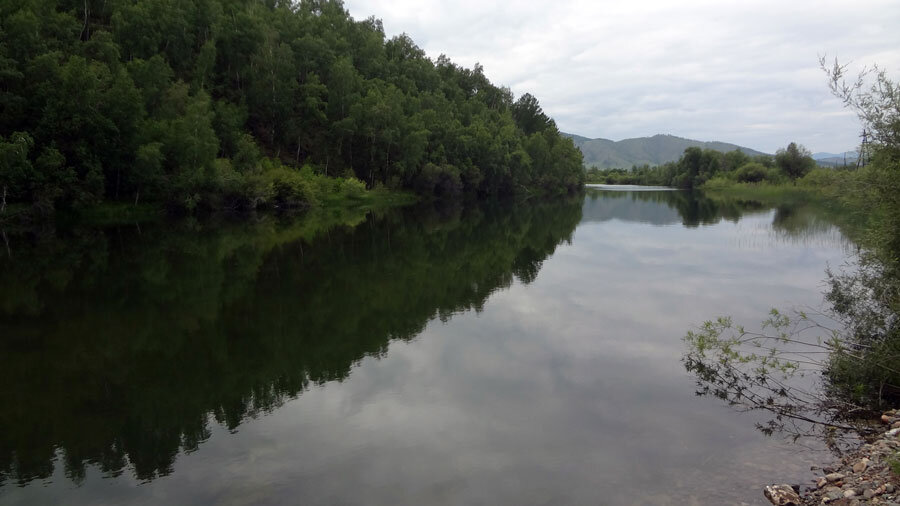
{"x": 524, "y": 354}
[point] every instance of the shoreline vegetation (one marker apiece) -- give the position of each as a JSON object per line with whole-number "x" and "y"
{"x": 239, "y": 105}
{"x": 863, "y": 204}
{"x": 861, "y": 365}
{"x": 858, "y": 352}
{"x": 853, "y": 343}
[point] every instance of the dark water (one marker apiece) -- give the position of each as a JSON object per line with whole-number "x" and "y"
{"x": 512, "y": 354}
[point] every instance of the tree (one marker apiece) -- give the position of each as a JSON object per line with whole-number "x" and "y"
{"x": 529, "y": 116}
{"x": 795, "y": 161}
{"x": 14, "y": 165}
{"x": 131, "y": 101}
{"x": 877, "y": 105}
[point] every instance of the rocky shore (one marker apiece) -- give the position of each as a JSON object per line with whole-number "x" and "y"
{"x": 862, "y": 477}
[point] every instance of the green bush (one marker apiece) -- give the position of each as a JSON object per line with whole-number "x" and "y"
{"x": 352, "y": 188}
{"x": 755, "y": 172}
{"x": 751, "y": 173}
{"x": 289, "y": 188}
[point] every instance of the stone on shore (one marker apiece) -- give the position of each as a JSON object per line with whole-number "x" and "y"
{"x": 861, "y": 478}
{"x": 833, "y": 477}
{"x": 782, "y": 495}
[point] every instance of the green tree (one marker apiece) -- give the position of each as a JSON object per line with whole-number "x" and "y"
{"x": 15, "y": 168}
{"x": 530, "y": 116}
{"x": 795, "y": 161}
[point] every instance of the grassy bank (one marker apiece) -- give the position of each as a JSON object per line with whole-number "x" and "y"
{"x": 847, "y": 198}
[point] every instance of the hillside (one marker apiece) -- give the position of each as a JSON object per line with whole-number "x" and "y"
{"x": 243, "y": 104}
{"x": 656, "y": 150}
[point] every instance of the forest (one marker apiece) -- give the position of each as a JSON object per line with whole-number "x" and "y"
{"x": 244, "y": 104}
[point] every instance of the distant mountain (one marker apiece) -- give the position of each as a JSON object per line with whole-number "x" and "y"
{"x": 824, "y": 156}
{"x": 836, "y": 159}
{"x": 655, "y": 150}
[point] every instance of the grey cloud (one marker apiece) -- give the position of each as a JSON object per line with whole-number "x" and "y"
{"x": 741, "y": 72}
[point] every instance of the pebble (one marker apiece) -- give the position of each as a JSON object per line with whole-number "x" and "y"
{"x": 834, "y": 495}
{"x": 861, "y": 478}
{"x": 833, "y": 477}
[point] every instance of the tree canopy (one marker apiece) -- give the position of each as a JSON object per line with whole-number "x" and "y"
{"x": 184, "y": 101}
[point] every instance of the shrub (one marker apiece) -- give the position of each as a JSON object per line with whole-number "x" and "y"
{"x": 750, "y": 173}
{"x": 288, "y": 188}
{"x": 352, "y": 188}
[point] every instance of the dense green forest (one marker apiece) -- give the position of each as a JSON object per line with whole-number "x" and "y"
{"x": 243, "y": 104}
{"x": 697, "y": 166}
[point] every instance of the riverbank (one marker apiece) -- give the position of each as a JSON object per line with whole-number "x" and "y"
{"x": 854, "y": 202}
{"x": 845, "y": 198}
{"x": 868, "y": 475}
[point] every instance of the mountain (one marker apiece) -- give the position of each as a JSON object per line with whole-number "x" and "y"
{"x": 851, "y": 155}
{"x": 655, "y": 150}
{"x": 836, "y": 159}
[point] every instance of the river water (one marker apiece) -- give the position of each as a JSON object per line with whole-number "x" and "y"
{"x": 523, "y": 353}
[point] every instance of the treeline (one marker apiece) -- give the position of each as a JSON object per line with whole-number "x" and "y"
{"x": 697, "y": 166}
{"x": 242, "y": 103}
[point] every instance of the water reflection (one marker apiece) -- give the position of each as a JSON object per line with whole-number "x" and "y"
{"x": 510, "y": 354}
{"x": 690, "y": 209}
{"x": 798, "y": 222}
{"x": 117, "y": 344}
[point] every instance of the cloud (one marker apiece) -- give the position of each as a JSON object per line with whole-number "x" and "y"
{"x": 742, "y": 72}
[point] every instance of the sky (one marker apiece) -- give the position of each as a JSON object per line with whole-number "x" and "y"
{"x": 745, "y": 72}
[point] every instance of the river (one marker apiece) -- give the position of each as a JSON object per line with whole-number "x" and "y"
{"x": 522, "y": 353}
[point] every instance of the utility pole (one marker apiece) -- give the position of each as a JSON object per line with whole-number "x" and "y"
{"x": 863, "y": 157}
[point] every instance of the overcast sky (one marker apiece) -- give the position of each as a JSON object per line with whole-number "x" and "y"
{"x": 735, "y": 71}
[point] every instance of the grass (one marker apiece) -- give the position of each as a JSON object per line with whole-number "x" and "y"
{"x": 825, "y": 196}
{"x": 894, "y": 464}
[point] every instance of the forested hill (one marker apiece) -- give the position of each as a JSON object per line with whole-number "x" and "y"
{"x": 656, "y": 150}
{"x": 247, "y": 103}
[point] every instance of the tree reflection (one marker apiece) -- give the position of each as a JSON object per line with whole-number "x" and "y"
{"x": 775, "y": 372}
{"x": 121, "y": 346}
